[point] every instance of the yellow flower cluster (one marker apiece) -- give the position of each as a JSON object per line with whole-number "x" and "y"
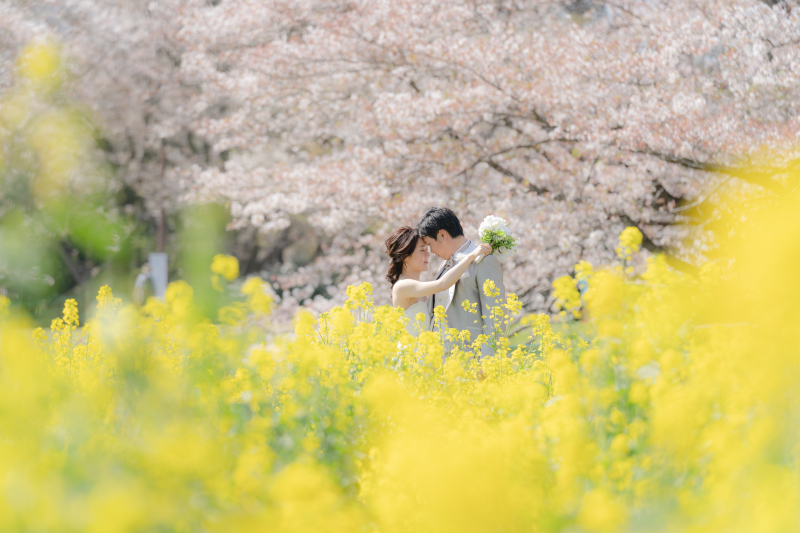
{"x": 55, "y": 132}
{"x": 40, "y": 64}
{"x": 223, "y": 267}
{"x": 565, "y": 291}
{"x": 630, "y": 240}
{"x": 583, "y": 271}
{"x": 226, "y": 266}
{"x": 672, "y": 406}
{"x": 259, "y": 295}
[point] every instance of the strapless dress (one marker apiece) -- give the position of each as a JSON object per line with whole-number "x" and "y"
{"x": 413, "y": 326}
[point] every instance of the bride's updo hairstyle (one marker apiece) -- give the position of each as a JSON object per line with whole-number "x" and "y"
{"x": 399, "y": 246}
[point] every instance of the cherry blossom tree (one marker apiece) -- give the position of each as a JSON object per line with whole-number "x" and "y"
{"x": 570, "y": 119}
{"x": 122, "y": 66}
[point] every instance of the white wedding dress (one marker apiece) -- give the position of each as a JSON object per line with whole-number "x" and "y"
{"x": 414, "y": 327}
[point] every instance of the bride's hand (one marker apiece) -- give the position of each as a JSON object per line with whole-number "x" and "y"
{"x": 483, "y": 249}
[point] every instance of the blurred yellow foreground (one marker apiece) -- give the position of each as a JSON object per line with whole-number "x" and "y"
{"x": 677, "y": 411}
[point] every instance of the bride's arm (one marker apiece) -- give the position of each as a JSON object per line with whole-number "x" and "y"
{"x": 409, "y": 288}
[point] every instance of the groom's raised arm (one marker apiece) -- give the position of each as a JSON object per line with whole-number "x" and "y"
{"x": 490, "y": 269}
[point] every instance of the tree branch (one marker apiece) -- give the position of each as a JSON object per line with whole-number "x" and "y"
{"x": 761, "y": 179}
{"x": 515, "y": 177}
{"x": 74, "y": 269}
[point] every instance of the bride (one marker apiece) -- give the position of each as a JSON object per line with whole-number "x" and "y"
{"x": 409, "y": 255}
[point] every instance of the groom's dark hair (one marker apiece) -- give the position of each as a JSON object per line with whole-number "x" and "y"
{"x": 439, "y": 218}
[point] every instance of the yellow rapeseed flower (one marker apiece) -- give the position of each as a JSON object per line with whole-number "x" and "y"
{"x": 567, "y": 296}
{"x": 630, "y": 240}
{"x": 226, "y": 266}
{"x": 41, "y": 64}
{"x": 675, "y": 399}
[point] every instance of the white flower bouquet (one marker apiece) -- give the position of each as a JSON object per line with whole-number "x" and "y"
{"x": 495, "y": 231}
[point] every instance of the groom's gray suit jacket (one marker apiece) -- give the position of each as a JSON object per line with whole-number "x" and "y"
{"x": 470, "y": 288}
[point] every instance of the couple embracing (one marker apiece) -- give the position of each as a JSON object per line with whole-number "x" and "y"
{"x": 460, "y": 279}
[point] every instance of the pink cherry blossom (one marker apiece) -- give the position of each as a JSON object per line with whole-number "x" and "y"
{"x": 571, "y": 120}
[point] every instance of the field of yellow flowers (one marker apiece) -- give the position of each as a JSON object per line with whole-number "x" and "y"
{"x": 675, "y": 409}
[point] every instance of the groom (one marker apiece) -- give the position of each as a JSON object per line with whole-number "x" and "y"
{"x": 440, "y": 229}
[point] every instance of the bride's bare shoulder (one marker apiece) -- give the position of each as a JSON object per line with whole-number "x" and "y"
{"x": 403, "y": 284}
{"x": 397, "y": 289}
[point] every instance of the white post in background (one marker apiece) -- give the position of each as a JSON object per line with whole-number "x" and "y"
{"x": 158, "y": 274}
